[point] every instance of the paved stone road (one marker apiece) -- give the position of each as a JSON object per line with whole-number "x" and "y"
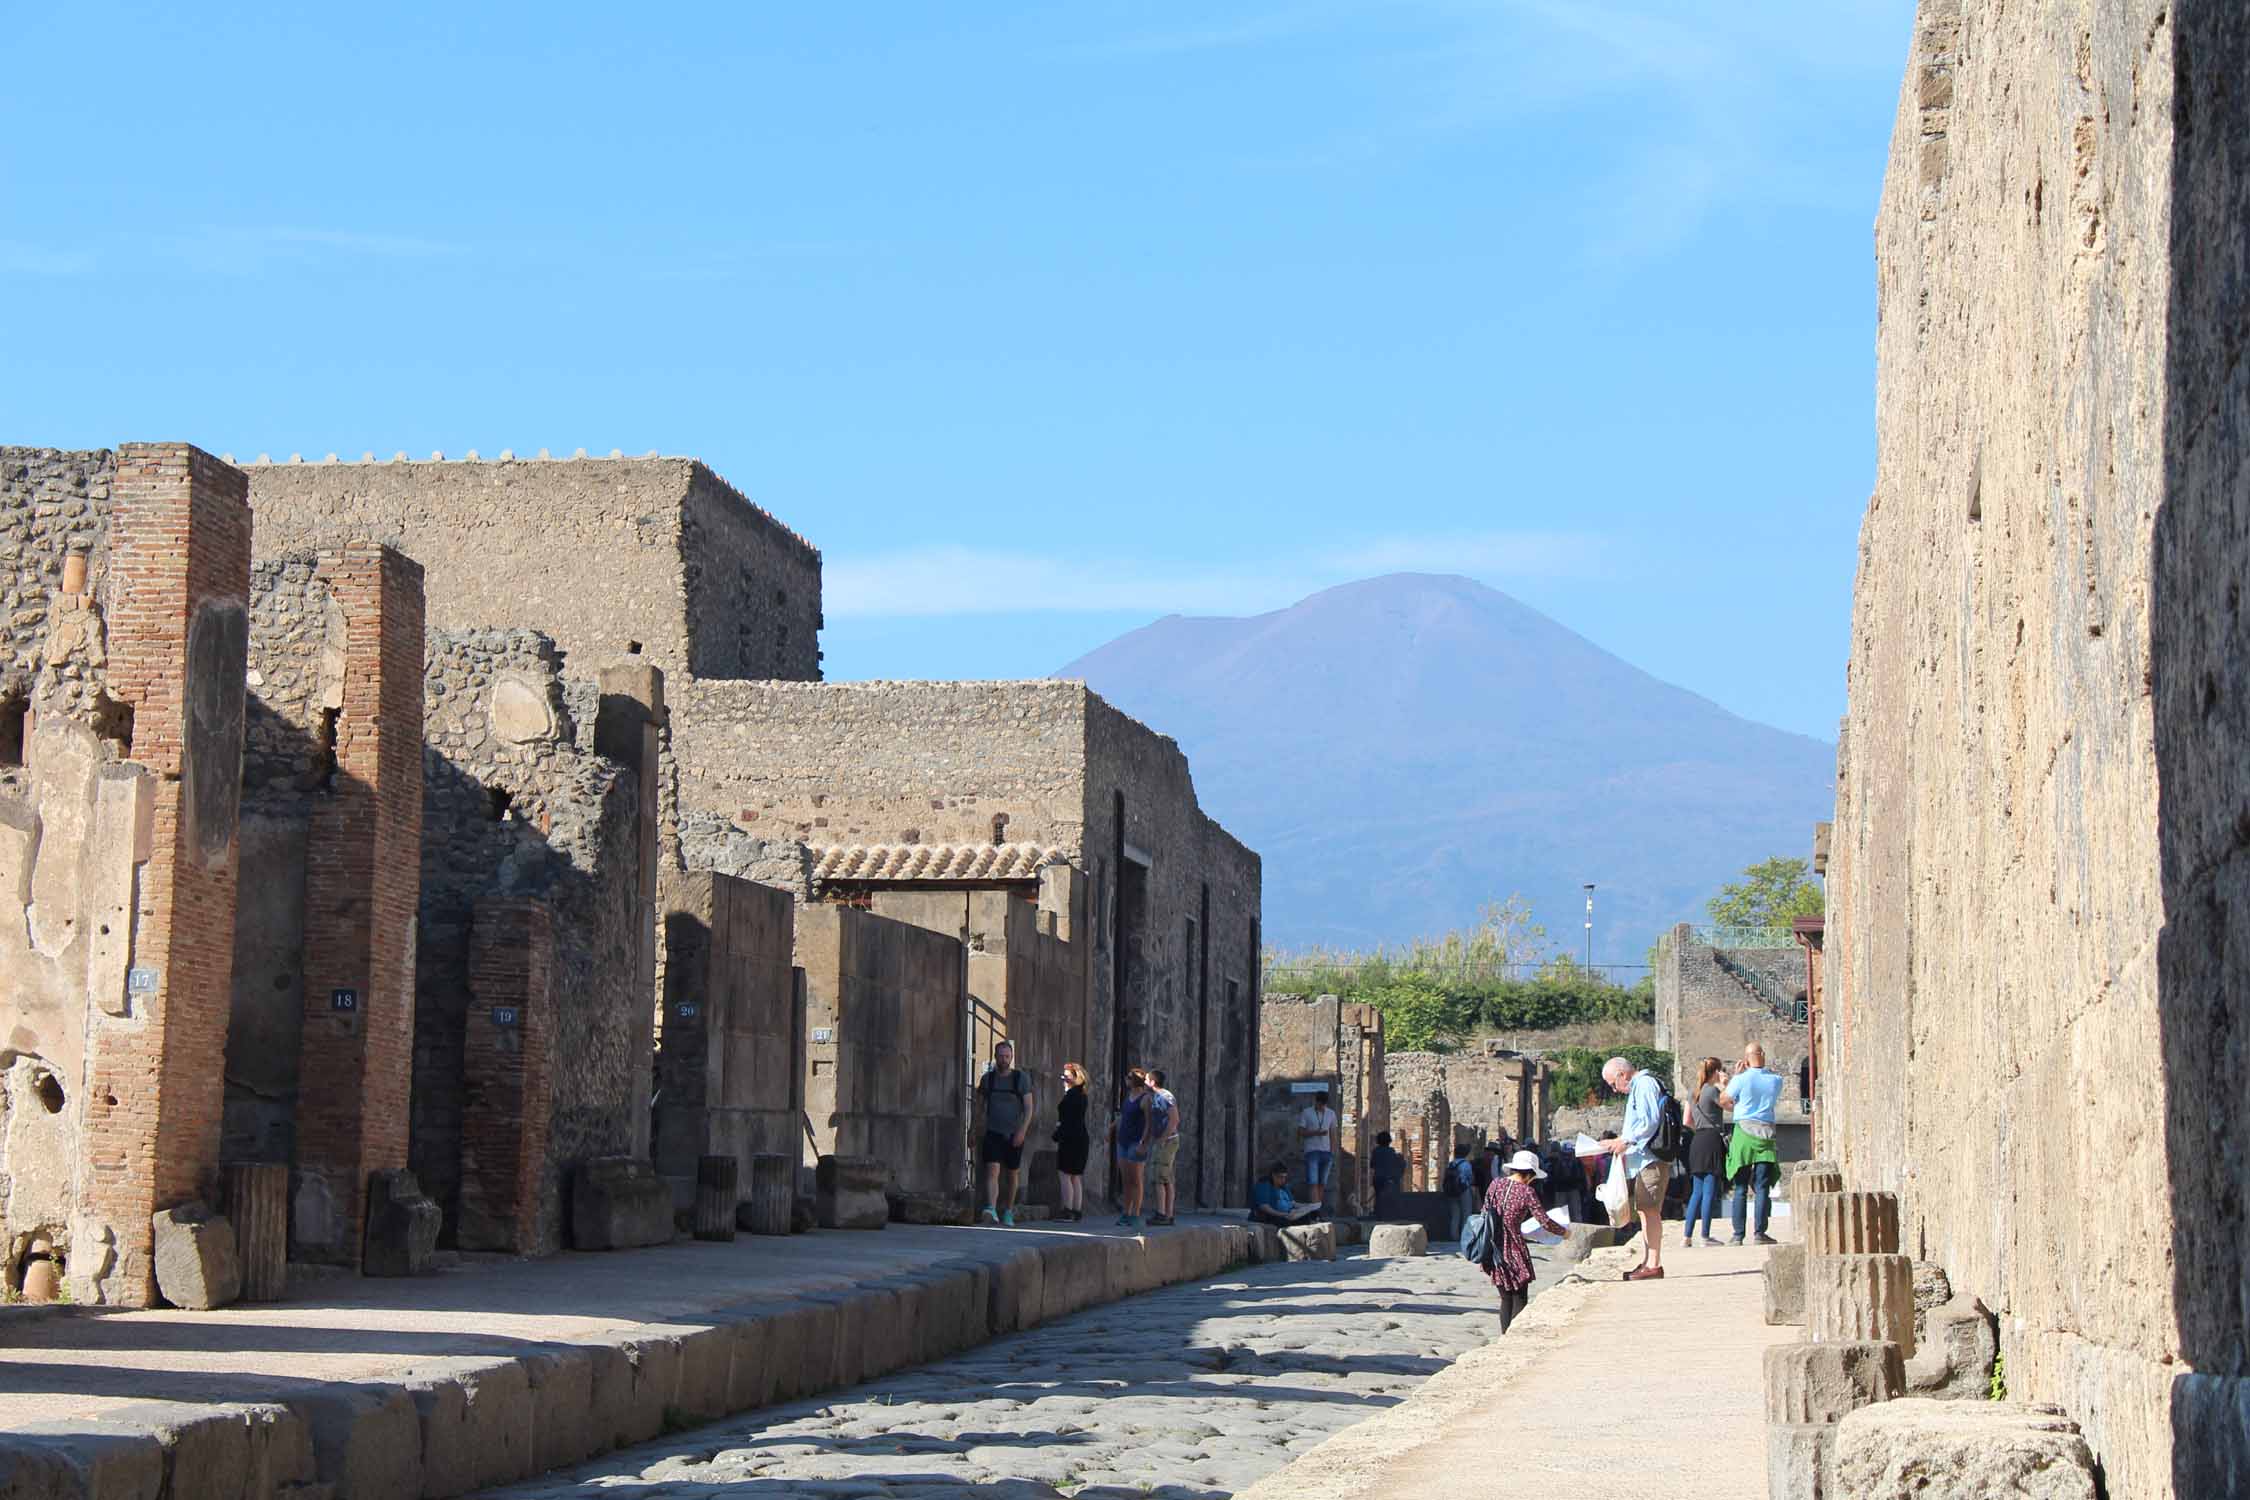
{"x": 1195, "y": 1391}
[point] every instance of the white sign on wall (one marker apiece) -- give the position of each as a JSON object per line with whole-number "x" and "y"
{"x": 1308, "y": 1088}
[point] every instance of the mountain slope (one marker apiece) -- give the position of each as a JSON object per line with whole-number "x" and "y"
{"x": 1404, "y": 749}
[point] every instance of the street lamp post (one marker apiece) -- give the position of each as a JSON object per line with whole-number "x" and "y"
{"x": 1589, "y": 924}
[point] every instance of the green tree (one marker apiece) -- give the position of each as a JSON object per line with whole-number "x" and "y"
{"x": 1771, "y": 893}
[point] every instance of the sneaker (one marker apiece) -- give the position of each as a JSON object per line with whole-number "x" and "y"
{"x": 1009, "y": 1218}
{"x": 1645, "y": 1273}
{"x": 1767, "y": 1239}
{"x": 1124, "y": 1221}
{"x": 1737, "y": 1240}
{"x": 987, "y": 1216}
{"x": 1161, "y": 1219}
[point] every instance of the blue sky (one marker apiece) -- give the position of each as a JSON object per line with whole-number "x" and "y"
{"x": 1041, "y": 321}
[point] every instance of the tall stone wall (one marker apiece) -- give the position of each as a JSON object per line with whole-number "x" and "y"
{"x": 1714, "y": 1002}
{"x": 518, "y": 806}
{"x": 611, "y": 557}
{"x": 1317, "y": 1039}
{"x": 1176, "y": 952}
{"x": 2037, "y": 877}
{"x": 53, "y": 503}
{"x": 886, "y": 1010}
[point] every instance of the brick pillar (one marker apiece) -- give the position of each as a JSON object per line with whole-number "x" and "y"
{"x": 625, "y": 731}
{"x": 507, "y": 1081}
{"x": 179, "y": 576}
{"x": 362, "y": 882}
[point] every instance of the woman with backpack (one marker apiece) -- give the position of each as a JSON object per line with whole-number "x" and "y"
{"x": 1509, "y": 1201}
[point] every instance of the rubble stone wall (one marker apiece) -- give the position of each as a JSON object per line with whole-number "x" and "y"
{"x": 611, "y": 557}
{"x": 53, "y": 502}
{"x": 517, "y": 805}
{"x": 1306, "y": 1039}
{"x": 1703, "y": 1009}
{"x": 2037, "y": 880}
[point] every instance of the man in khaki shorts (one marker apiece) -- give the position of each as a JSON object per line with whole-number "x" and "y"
{"x": 1167, "y": 1153}
{"x": 1644, "y": 1112}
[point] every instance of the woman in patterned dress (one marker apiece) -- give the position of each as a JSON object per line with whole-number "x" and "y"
{"x": 1512, "y": 1200}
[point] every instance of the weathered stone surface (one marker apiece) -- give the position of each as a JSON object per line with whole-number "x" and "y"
{"x": 1309, "y": 1242}
{"x": 1954, "y": 1350}
{"x": 1818, "y": 1180}
{"x": 1808, "y": 1384}
{"x": 848, "y": 1193}
{"x": 1847, "y": 1223}
{"x": 1398, "y": 1239}
{"x": 1800, "y": 1462}
{"x": 196, "y": 1262}
{"x": 402, "y": 1226}
{"x": 1785, "y": 1285}
{"x": 618, "y": 1203}
{"x": 1792, "y": 1170}
{"x": 1584, "y": 1239}
{"x": 2036, "y": 895}
{"x": 928, "y": 1208}
{"x": 1932, "y": 1289}
{"x": 1960, "y": 1450}
{"x": 1860, "y": 1298}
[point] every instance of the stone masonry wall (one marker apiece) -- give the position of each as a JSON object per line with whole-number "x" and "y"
{"x": 605, "y": 555}
{"x": 2037, "y": 878}
{"x": 1704, "y": 1010}
{"x": 53, "y": 502}
{"x": 517, "y": 806}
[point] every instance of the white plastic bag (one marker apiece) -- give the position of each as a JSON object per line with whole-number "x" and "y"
{"x": 1614, "y": 1189}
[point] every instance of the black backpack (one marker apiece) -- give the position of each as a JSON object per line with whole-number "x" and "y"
{"x": 1670, "y": 1142}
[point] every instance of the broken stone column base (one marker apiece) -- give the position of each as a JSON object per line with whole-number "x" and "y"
{"x": 402, "y": 1226}
{"x": 1961, "y": 1450}
{"x": 1809, "y": 1384}
{"x": 1860, "y": 1298}
{"x": 197, "y": 1264}
{"x": 848, "y": 1193}
{"x": 1847, "y": 1223}
{"x": 619, "y": 1203}
{"x": 1800, "y": 1462}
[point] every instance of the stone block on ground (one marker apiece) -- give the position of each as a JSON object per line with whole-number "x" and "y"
{"x": 1847, "y": 1223}
{"x": 930, "y": 1208}
{"x": 1953, "y": 1353}
{"x": 197, "y": 1265}
{"x": 1785, "y": 1286}
{"x": 1815, "y": 1384}
{"x": 619, "y": 1203}
{"x": 1391, "y": 1240}
{"x": 402, "y": 1226}
{"x": 1800, "y": 1462}
{"x": 1932, "y": 1288}
{"x": 1309, "y": 1242}
{"x": 1917, "y": 1449}
{"x": 1583, "y": 1240}
{"x": 1350, "y": 1232}
{"x": 848, "y": 1192}
{"x": 1860, "y": 1298}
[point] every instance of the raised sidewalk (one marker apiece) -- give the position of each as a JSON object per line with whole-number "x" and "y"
{"x": 427, "y": 1388}
{"x": 1654, "y": 1388}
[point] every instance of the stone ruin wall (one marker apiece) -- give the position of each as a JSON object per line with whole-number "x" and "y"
{"x": 53, "y": 502}
{"x": 1702, "y": 1010}
{"x": 2038, "y": 879}
{"x": 1318, "y": 1038}
{"x": 1422, "y": 1124}
{"x": 517, "y": 805}
{"x": 1193, "y": 1003}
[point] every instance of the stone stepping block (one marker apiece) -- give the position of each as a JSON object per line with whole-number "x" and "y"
{"x": 1917, "y": 1449}
{"x": 1309, "y": 1242}
{"x": 1821, "y": 1384}
{"x": 1785, "y": 1286}
{"x": 1393, "y": 1241}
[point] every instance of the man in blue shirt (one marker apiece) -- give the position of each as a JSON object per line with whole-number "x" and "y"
{"x": 1270, "y": 1202}
{"x": 1646, "y": 1176}
{"x": 1752, "y": 1160}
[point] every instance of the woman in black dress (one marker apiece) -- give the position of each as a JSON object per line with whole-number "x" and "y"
{"x": 1707, "y": 1150}
{"x": 1073, "y": 1144}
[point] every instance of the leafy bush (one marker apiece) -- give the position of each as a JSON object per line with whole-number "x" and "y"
{"x": 1578, "y": 1072}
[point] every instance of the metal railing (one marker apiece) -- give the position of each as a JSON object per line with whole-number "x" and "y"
{"x": 1745, "y": 937}
{"x": 1784, "y": 1007}
{"x": 1285, "y": 978}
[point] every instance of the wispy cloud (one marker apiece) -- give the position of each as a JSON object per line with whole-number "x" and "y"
{"x": 255, "y": 247}
{"x": 956, "y": 580}
{"x": 19, "y": 259}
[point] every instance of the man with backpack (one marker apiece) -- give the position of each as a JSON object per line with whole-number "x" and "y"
{"x": 1651, "y": 1138}
{"x": 1006, "y": 1096}
{"x": 1461, "y": 1186}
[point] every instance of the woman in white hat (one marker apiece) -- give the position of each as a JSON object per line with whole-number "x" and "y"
{"x": 1512, "y": 1200}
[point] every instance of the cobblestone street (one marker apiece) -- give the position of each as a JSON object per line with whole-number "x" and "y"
{"x": 1194, "y": 1391}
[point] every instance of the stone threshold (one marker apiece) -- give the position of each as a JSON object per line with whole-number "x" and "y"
{"x": 443, "y": 1426}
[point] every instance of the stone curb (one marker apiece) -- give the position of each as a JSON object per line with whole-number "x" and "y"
{"x": 445, "y": 1427}
{"x": 1354, "y": 1460}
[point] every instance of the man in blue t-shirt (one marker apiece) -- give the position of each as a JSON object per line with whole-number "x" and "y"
{"x": 1752, "y": 1159}
{"x": 1270, "y": 1202}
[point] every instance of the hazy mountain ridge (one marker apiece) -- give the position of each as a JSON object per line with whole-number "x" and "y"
{"x": 1404, "y": 749}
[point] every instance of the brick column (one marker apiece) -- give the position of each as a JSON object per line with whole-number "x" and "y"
{"x": 362, "y": 882}
{"x": 178, "y": 647}
{"x": 507, "y": 1081}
